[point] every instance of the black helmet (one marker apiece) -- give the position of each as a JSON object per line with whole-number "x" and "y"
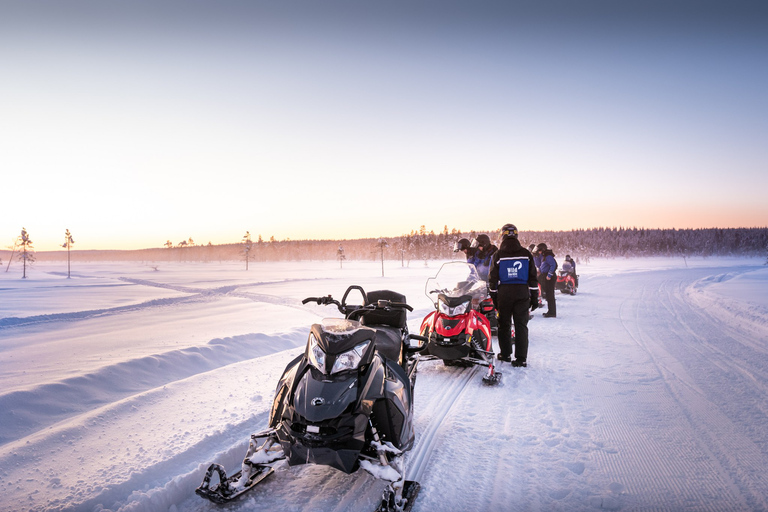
{"x": 541, "y": 247}
{"x": 567, "y": 256}
{"x": 508, "y": 231}
{"x": 461, "y": 245}
{"x": 484, "y": 240}
{"x": 532, "y": 247}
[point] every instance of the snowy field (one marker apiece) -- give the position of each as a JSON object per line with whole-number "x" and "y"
{"x": 121, "y": 384}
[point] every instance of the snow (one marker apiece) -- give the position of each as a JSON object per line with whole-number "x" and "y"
{"x": 122, "y": 384}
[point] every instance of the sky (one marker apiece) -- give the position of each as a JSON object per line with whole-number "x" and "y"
{"x": 135, "y": 123}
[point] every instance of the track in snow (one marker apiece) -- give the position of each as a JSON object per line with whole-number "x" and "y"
{"x": 698, "y": 368}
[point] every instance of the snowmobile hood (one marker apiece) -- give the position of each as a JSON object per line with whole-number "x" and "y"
{"x": 337, "y": 335}
{"x": 318, "y": 398}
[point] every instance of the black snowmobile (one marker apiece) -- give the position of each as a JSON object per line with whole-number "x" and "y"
{"x": 346, "y": 402}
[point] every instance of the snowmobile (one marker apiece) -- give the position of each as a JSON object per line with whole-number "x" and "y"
{"x": 486, "y": 308}
{"x": 566, "y": 282}
{"x": 346, "y": 402}
{"x": 456, "y": 333}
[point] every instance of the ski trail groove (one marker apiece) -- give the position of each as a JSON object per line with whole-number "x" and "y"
{"x": 426, "y": 442}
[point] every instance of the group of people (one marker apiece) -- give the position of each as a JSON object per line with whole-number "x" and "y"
{"x": 514, "y": 274}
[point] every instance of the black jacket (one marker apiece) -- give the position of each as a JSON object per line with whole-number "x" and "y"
{"x": 511, "y": 248}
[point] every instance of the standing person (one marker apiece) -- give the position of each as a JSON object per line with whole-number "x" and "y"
{"x": 537, "y": 261}
{"x": 549, "y": 278}
{"x": 464, "y": 246}
{"x": 483, "y": 255}
{"x": 514, "y": 289}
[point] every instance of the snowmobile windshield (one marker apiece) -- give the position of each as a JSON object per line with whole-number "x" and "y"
{"x": 339, "y": 325}
{"x": 456, "y": 279}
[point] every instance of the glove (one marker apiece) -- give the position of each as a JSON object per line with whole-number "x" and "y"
{"x": 534, "y": 299}
{"x": 494, "y": 296}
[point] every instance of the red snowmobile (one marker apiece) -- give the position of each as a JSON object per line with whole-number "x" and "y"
{"x": 457, "y": 333}
{"x": 566, "y": 281}
{"x": 486, "y": 308}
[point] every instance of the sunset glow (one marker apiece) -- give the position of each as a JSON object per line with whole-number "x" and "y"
{"x": 131, "y": 124}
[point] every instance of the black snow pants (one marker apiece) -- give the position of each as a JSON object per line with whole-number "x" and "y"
{"x": 513, "y": 302}
{"x": 548, "y": 288}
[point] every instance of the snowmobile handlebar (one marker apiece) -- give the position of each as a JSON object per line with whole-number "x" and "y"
{"x": 412, "y": 349}
{"x": 323, "y": 301}
{"x": 348, "y": 309}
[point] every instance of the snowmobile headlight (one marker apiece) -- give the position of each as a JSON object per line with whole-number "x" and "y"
{"x": 456, "y": 310}
{"x": 316, "y": 354}
{"x": 350, "y": 359}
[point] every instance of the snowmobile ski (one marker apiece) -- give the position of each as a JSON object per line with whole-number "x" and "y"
{"x": 493, "y": 377}
{"x": 410, "y": 492}
{"x": 256, "y": 466}
{"x": 227, "y": 490}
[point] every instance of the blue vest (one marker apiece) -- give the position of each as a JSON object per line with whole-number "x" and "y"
{"x": 483, "y": 266}
{"x": 514, "y": 270}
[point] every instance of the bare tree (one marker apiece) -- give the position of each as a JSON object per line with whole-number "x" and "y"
{"x": 382, "y": 243}
{"x": 68, "y": 242}
{"x": 13, "y": 251}
{"x": 340, "y": 255}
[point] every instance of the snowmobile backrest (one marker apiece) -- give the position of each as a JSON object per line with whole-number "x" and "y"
{"x": 393, "y": 317}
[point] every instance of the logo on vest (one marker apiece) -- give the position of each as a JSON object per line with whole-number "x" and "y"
{"x": 514, "y": 270}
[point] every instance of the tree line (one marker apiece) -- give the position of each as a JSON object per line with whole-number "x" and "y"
{"x": 423, "y": 245}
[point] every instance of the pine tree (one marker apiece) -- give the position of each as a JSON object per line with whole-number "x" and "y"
{"x": 68, "y": 242}
{"x": 247, "y": 247}
{"x": 26, "y": 251}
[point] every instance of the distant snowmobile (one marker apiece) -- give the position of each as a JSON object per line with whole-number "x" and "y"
{"x": 566, "y": 280}
{"x": 457, "y": 333}
{"x": 346, "y": 402}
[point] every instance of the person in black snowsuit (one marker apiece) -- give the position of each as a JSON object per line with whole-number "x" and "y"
{"x": 514, "y": 289}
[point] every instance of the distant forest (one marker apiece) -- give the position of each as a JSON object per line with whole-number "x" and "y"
{"x": 581, "y": 244}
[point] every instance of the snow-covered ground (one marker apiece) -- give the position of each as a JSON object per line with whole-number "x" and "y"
{"x": 121, "y": 384}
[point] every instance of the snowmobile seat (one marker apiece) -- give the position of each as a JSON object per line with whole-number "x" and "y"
{"x": 393, "y": 317}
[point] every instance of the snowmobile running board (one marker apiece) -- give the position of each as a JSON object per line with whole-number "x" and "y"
{"x": 221, "y": 492}
{"x": 410, "y": 492}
